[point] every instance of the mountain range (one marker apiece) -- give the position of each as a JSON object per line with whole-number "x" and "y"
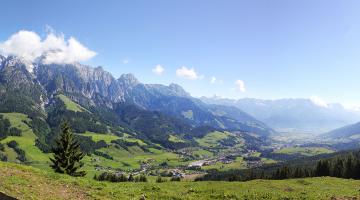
{"x": 149, "y": 111}
{"x": 296, "y": 115}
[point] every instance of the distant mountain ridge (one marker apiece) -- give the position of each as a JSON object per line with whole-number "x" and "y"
{"x": 32, "y": 88}
{"x": 293, "y": 114}
{"x": 349, "y": 133}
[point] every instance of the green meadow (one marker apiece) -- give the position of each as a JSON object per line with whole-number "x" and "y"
{"x": 25, "y": 182}
{"x": 305, "y": 151}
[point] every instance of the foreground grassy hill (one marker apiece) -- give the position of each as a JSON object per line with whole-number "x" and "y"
{"x": 25, "y": 182}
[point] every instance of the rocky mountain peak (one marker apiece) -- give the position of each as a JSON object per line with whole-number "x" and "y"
{"x": 178, "y": 90}
{"x": 15, "y": 61}
{"x": 129, "y": 80}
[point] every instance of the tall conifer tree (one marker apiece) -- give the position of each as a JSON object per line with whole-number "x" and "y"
{"x": 67, "y": 154}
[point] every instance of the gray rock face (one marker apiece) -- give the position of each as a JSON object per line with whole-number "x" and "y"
{"x": 17, "y": 80}
{"x": 81, "y": 82}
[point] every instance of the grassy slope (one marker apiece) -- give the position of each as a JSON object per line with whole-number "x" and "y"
{"x": 174, "y": 138}
{"x": 305, "y": 151}
{"x": 212, "y": 139}
{"x": 70, "y": 105}
{"x": 26, "y": 141}
{"x": 135, "y": 156}
{"x": 97, "y": 137}
{"x": 26, "y": 182}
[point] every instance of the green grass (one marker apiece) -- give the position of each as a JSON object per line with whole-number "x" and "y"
{"x": 134, "y": 156}
{"x": 70, "y": 105}
{"x": 238, "y": 163}
{"x": 25, "y": 182}
{"x": 174, "y": 138}
{"x": 26, "y": 141}
{"x": 202, "y": 153}
{"x": 129, "y": 138}
{"x": 109, "y": 137}
{"x": 99, "y": 136}
{"x": 305, "y": 151}
{"x": 212, "y": 139}
{"x": 11, "y": 154}
{"x": 268, "y": 161}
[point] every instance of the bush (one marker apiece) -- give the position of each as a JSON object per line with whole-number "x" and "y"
{"x": 112, "y": 177}
{"x": 141, "y": 178}
{"x": 164, "y": 164}
{"x": 12, "y": 144}
{"x": 20, "y": 153}
{"x": 160, "y": 180}
{"x": 100, "y": 144}
{"x": 14, "y": 131}
{"x": 105, "y": 155}
{"x": 131, "y": 178}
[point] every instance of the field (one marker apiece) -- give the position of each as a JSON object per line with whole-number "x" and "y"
{"x": 305, "y": 151}
{"x": 97, "y": 136}
{"x": 238, "y": 163}
{"x": 26, "y": 182}
{"x": 212, "y": 139}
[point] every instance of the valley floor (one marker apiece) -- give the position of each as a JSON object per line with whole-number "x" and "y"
{"x": 24, "y": 182}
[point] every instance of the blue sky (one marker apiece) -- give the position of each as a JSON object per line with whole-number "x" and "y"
{"x": 278, "y": 49}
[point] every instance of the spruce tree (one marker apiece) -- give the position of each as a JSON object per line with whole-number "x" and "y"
{"x": 67, "y": 154}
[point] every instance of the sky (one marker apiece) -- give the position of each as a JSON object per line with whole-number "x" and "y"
{"x": 235, "y": 49}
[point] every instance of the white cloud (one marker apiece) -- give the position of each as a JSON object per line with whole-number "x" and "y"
{"x": 214, "y": 80}
{"x": 351, "y": 107}
{"x": 240, "y": 85}
{"x": 318, "y": 101}
{"x": 53, "y": 49}
{"x": 158, "y": 70}
{"x": 125, "y": 61}
{"x": 188, "y": 73}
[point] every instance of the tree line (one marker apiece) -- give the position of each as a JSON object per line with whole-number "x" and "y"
{"x": 343, "y": 165}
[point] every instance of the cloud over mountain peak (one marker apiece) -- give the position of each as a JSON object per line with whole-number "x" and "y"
{"x": 54, "y": 48}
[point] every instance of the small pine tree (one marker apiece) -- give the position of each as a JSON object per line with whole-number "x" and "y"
{"x": 67, "y": 154}
{"x": 160, "y": 180}
{"x": 142, "y": 178}
{"x": 131, "y": 178}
